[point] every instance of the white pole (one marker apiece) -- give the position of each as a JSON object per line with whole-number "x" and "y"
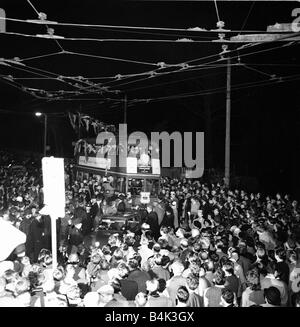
{"x": 54, "y": 241}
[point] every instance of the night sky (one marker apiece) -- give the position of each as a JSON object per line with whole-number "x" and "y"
{"x": 265, "y": 119}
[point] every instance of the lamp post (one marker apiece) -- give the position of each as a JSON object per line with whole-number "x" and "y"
{"x": 39, "y": 114}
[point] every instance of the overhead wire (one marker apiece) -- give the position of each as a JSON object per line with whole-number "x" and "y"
{"x": 185, "y": 33}
{"x": 33, "y": 7}
{"x": 164, "y": 73}
{"x": 256, "y": 70}
{"x": 111, "y": 58}
{"x": 181, "y": 70}
{"x": 103, "y": 40}
{"x": 41, "y": 56}
{"x": 172, "y": 82}
{"x": 36, "y": 11}
{"x": 246, "y": 19}
{"x": 247, "y": 54}
{"x": 217, "y": 11}
{"x": 160, "y": 74}
{"x": 201, "y": 66}
{"x": 222, "y": 89}
{"x": 127, "y": 27}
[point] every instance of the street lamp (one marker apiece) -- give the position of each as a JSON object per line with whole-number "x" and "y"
{"x": 39, "y": 114}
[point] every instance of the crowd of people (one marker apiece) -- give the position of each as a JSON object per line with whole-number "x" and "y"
{"x": 195, "y": 245}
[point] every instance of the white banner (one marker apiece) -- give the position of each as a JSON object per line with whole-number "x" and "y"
{"x": 54, "y": 185}
{"x": 131, "y": 165}
{"x": 95, "y": 162}
{"x": 155, "y": 166}
{"x": 10, "y": 238}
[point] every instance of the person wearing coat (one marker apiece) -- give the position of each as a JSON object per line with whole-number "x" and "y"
{"x": 168, "y": 219}
{"x": 159, "y": 208}
{"x": 120, "y": 204}
{"x": 26, "y": 222}
{"x": 152, "y": 221}
{"x": 97, "y": 211}
{"x": 75, "y": 236}
{"x": 39, "y": 237}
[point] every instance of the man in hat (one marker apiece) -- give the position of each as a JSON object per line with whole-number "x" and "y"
{"x": 168, "y": 219}
{"x": 87, "y": 221}
{"x": 107, "y": 185}
{"x": 159, "y": 208}
{"x": 152, "y": 221}
{"x": 187, "y": 208}
{"x": 97, "y": 210}
{"x": 80, "y": 211}
{"x": 26, "y": 221}
{"x": 74, "y": 236}
{"x": 39, "y": 236}
{"x": 120, "y": 204}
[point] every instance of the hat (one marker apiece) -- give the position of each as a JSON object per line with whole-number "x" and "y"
{"x": 195, "y": 232}
{"x": 145, "y": 226}
{"x": 156, "y": 247}
{"x": 165, "y": 260}
{"x": 73, "y": 258}
{"x": 77, "y": 221}
{"x": 236, "y": 231}
{"x": 106, "y": 289}
{"x": 184, "y": 243}
{"x": 130, "y": 234}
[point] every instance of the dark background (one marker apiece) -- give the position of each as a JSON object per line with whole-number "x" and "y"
{"x": 265, "y": 119}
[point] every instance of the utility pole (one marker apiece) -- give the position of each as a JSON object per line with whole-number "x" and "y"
{"x": 45, "y": 134}
{"x": 79, "y": 122}
{"x": 228, "y": 114}
{"x": 125, "y": 109}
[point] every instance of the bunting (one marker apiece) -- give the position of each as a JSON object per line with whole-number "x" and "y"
{"x": 72, "y": 119}
{"x": 87, "y": 122}
{"x": 83, "y": 146}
